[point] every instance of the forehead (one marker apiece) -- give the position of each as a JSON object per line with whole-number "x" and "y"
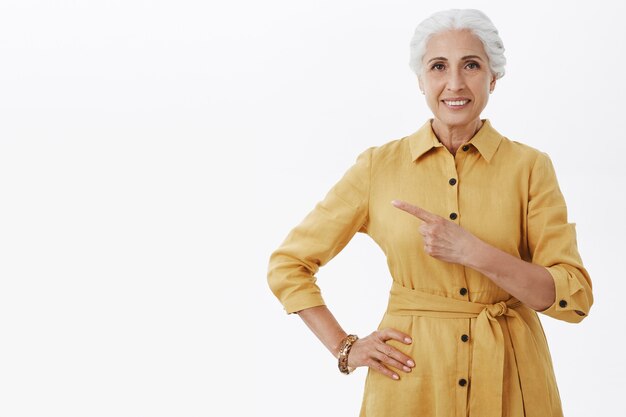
{"x": 454, "y": 44}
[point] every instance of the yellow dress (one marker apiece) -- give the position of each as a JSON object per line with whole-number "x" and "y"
{"x": 478, "y": 351}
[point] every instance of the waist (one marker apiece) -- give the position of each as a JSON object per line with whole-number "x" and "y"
{"x": 407, "y": 301}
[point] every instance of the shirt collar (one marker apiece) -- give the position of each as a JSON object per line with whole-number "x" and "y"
{"x": 486, "y": 140}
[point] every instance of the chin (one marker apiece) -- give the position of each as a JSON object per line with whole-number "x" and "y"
{"x": 456, "y": 120}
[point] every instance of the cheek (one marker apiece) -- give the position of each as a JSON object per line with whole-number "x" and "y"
{"x": 481, "y": 91}
{"x": 433, "y": 102}
{"x": 485, "y": 86}
{"x": 433, "y": 92}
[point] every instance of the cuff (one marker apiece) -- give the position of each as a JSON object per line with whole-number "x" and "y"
{"x": 565, "y": 306}
{"x": 302, "y": 301}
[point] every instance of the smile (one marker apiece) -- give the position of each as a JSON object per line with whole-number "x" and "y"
{"x": 456, "y": 104}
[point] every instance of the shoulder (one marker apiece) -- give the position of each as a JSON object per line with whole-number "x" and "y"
{"x": 515, "y": 150}
{"x": 377, "y": 157}
{"x": 391, "y": 148}
{"x": 390, "y": 152}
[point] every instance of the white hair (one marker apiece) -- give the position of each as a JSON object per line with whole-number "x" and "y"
{"x": 457, "y": 19}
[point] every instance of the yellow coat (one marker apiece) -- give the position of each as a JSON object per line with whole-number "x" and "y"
{"x": 478, "y": 351}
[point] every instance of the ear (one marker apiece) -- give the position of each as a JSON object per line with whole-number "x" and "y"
{"x": 420, "y": 83}
{"x": 492, "y": 84}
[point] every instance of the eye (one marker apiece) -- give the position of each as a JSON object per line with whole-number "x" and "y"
{"x": 438, "y": 66}
{"x": 473, "y": 65}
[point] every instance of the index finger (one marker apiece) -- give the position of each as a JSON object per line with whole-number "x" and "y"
{"x": 418, "y": 212}
{"x": 389, "y": 333}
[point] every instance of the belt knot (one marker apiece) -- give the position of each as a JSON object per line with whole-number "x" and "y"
{"x": 497, "y": 309}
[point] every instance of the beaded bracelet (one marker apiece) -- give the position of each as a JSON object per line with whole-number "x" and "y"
{"x": 344, "y": 349}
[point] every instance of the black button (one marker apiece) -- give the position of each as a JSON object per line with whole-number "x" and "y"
{"x": 465, "y": 148}
{"x": 463, "y": 291}
{"x": 465, "y": 338}
{"x": 452, "y": 181}
{"x": 453, "y": 216}
{"x": 563, "y": 303}
{"x": 462, "y": 382}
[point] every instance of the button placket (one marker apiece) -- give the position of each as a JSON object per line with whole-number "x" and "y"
{"x": 464, "y": 364}
{"x": 453, "y": 182}
{"x": 464, "y": 347}
{"x": 453, "y": 176}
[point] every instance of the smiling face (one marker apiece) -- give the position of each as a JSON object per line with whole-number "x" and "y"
{"x": 456, "y": 78}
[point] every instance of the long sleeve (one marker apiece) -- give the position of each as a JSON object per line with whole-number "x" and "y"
{"x": 552, "y": 244}
{"x": 321, "y": 235}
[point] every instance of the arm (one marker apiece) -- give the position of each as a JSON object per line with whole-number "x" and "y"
{"x": 530, "y": 283}
{"x": 314, "y": 242}
{"x": 447, "y": 241}
{"x": 552, "y": 244}
{"x": 371, "y": 351}
{"x": 554, "y": 282}
{"x": 321, "y": 235}
{"x": 324, "y": 325}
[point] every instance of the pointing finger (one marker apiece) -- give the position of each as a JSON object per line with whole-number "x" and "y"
{"x": 418, "y": 212}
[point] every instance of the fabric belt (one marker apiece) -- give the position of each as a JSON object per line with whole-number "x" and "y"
{"x": 488, "y": 347}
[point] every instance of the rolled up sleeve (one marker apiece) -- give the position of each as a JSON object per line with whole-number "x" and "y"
{"x": 552, "y": 244}
{"x": 321, "y": 235}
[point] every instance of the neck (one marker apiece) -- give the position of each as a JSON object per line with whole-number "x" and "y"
{"x": 452, "y": 137}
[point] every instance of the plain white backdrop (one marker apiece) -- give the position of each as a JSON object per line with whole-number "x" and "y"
{"x": 154, "y": 153}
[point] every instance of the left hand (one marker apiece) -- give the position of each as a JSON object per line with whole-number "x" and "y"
{"x": 443, "y": 239}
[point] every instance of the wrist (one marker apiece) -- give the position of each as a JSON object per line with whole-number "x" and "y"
{"x": 344, "y": 351}
{"x": 336, "y": 346}
{"x": 479, "y": 251}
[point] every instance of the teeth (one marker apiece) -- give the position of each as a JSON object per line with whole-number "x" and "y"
{"x": 456, "y": 103}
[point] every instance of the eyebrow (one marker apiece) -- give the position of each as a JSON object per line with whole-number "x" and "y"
{"x": 441, "y": 58}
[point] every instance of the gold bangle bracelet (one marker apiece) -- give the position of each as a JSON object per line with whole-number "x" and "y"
{"x": 344, "y": 349}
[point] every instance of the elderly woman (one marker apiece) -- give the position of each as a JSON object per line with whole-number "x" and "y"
{"x": 474, "y": 227}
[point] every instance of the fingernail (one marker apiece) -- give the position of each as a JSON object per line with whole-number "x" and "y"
{"x": 406, "y": 369}
{"x": 408, "y": 339}
{"x": 395, "y": 376}
{"x": 410, "y": 362}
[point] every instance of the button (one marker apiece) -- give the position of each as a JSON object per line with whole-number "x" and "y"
{"x": 465, "y": 338}
{"x": 462, "y": 382}
{"x": 463, "y": 291}
{"x": 453, "y": 215}
{"x": 563, "y": 303}
{"x": 465, "y": 148}
{"x": 452, "y": 181}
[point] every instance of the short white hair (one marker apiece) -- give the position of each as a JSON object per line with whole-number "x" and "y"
{"x": 457, "y": 19}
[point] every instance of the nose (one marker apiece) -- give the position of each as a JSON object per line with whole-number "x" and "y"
{"x": 456, "y": 81}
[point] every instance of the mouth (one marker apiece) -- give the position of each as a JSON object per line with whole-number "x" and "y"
{"x": 457, "y": 103}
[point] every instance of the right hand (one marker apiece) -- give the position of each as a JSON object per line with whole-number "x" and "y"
{"x": 374, "y": 352}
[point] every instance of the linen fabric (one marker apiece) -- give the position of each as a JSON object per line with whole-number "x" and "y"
{"x": 478, "y": 351}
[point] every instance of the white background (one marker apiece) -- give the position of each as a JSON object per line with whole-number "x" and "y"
{"x": 153, "y": 155}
